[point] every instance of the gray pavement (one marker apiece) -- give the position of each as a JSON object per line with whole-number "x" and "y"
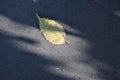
{"x": 93, "y": 29}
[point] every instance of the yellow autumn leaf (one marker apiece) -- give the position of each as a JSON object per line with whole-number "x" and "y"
{"x": 52, "y": 31}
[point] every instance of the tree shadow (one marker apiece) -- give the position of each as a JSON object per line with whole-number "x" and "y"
{"x": 18, "y": 64}
{"x": 101, "y": 28}
{"x": 97, "y": 23}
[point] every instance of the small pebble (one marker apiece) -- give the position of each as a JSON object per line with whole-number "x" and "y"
{"x": 59, "y": 68}
{"x": 35, "y": 1}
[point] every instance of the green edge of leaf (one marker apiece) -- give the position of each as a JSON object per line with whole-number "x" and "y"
{"x": 39, "y": 21}
{"x": 67, "y": 42}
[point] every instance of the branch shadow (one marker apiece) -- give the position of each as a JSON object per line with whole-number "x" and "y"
{"x": 97, "y": 23}
{"x": 101, "y": 28}
{"x": 18, "y": 64}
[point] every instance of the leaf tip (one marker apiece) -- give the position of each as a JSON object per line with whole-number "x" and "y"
{"x": 36, "y": 13}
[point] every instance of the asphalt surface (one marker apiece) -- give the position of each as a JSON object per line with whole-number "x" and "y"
{"x": 92, "y": 27}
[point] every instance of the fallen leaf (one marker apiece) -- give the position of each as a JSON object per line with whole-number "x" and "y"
{"x": 52, "y": 31}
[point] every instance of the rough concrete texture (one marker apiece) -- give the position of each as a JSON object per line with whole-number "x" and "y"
{"x": 92, "y": 27}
